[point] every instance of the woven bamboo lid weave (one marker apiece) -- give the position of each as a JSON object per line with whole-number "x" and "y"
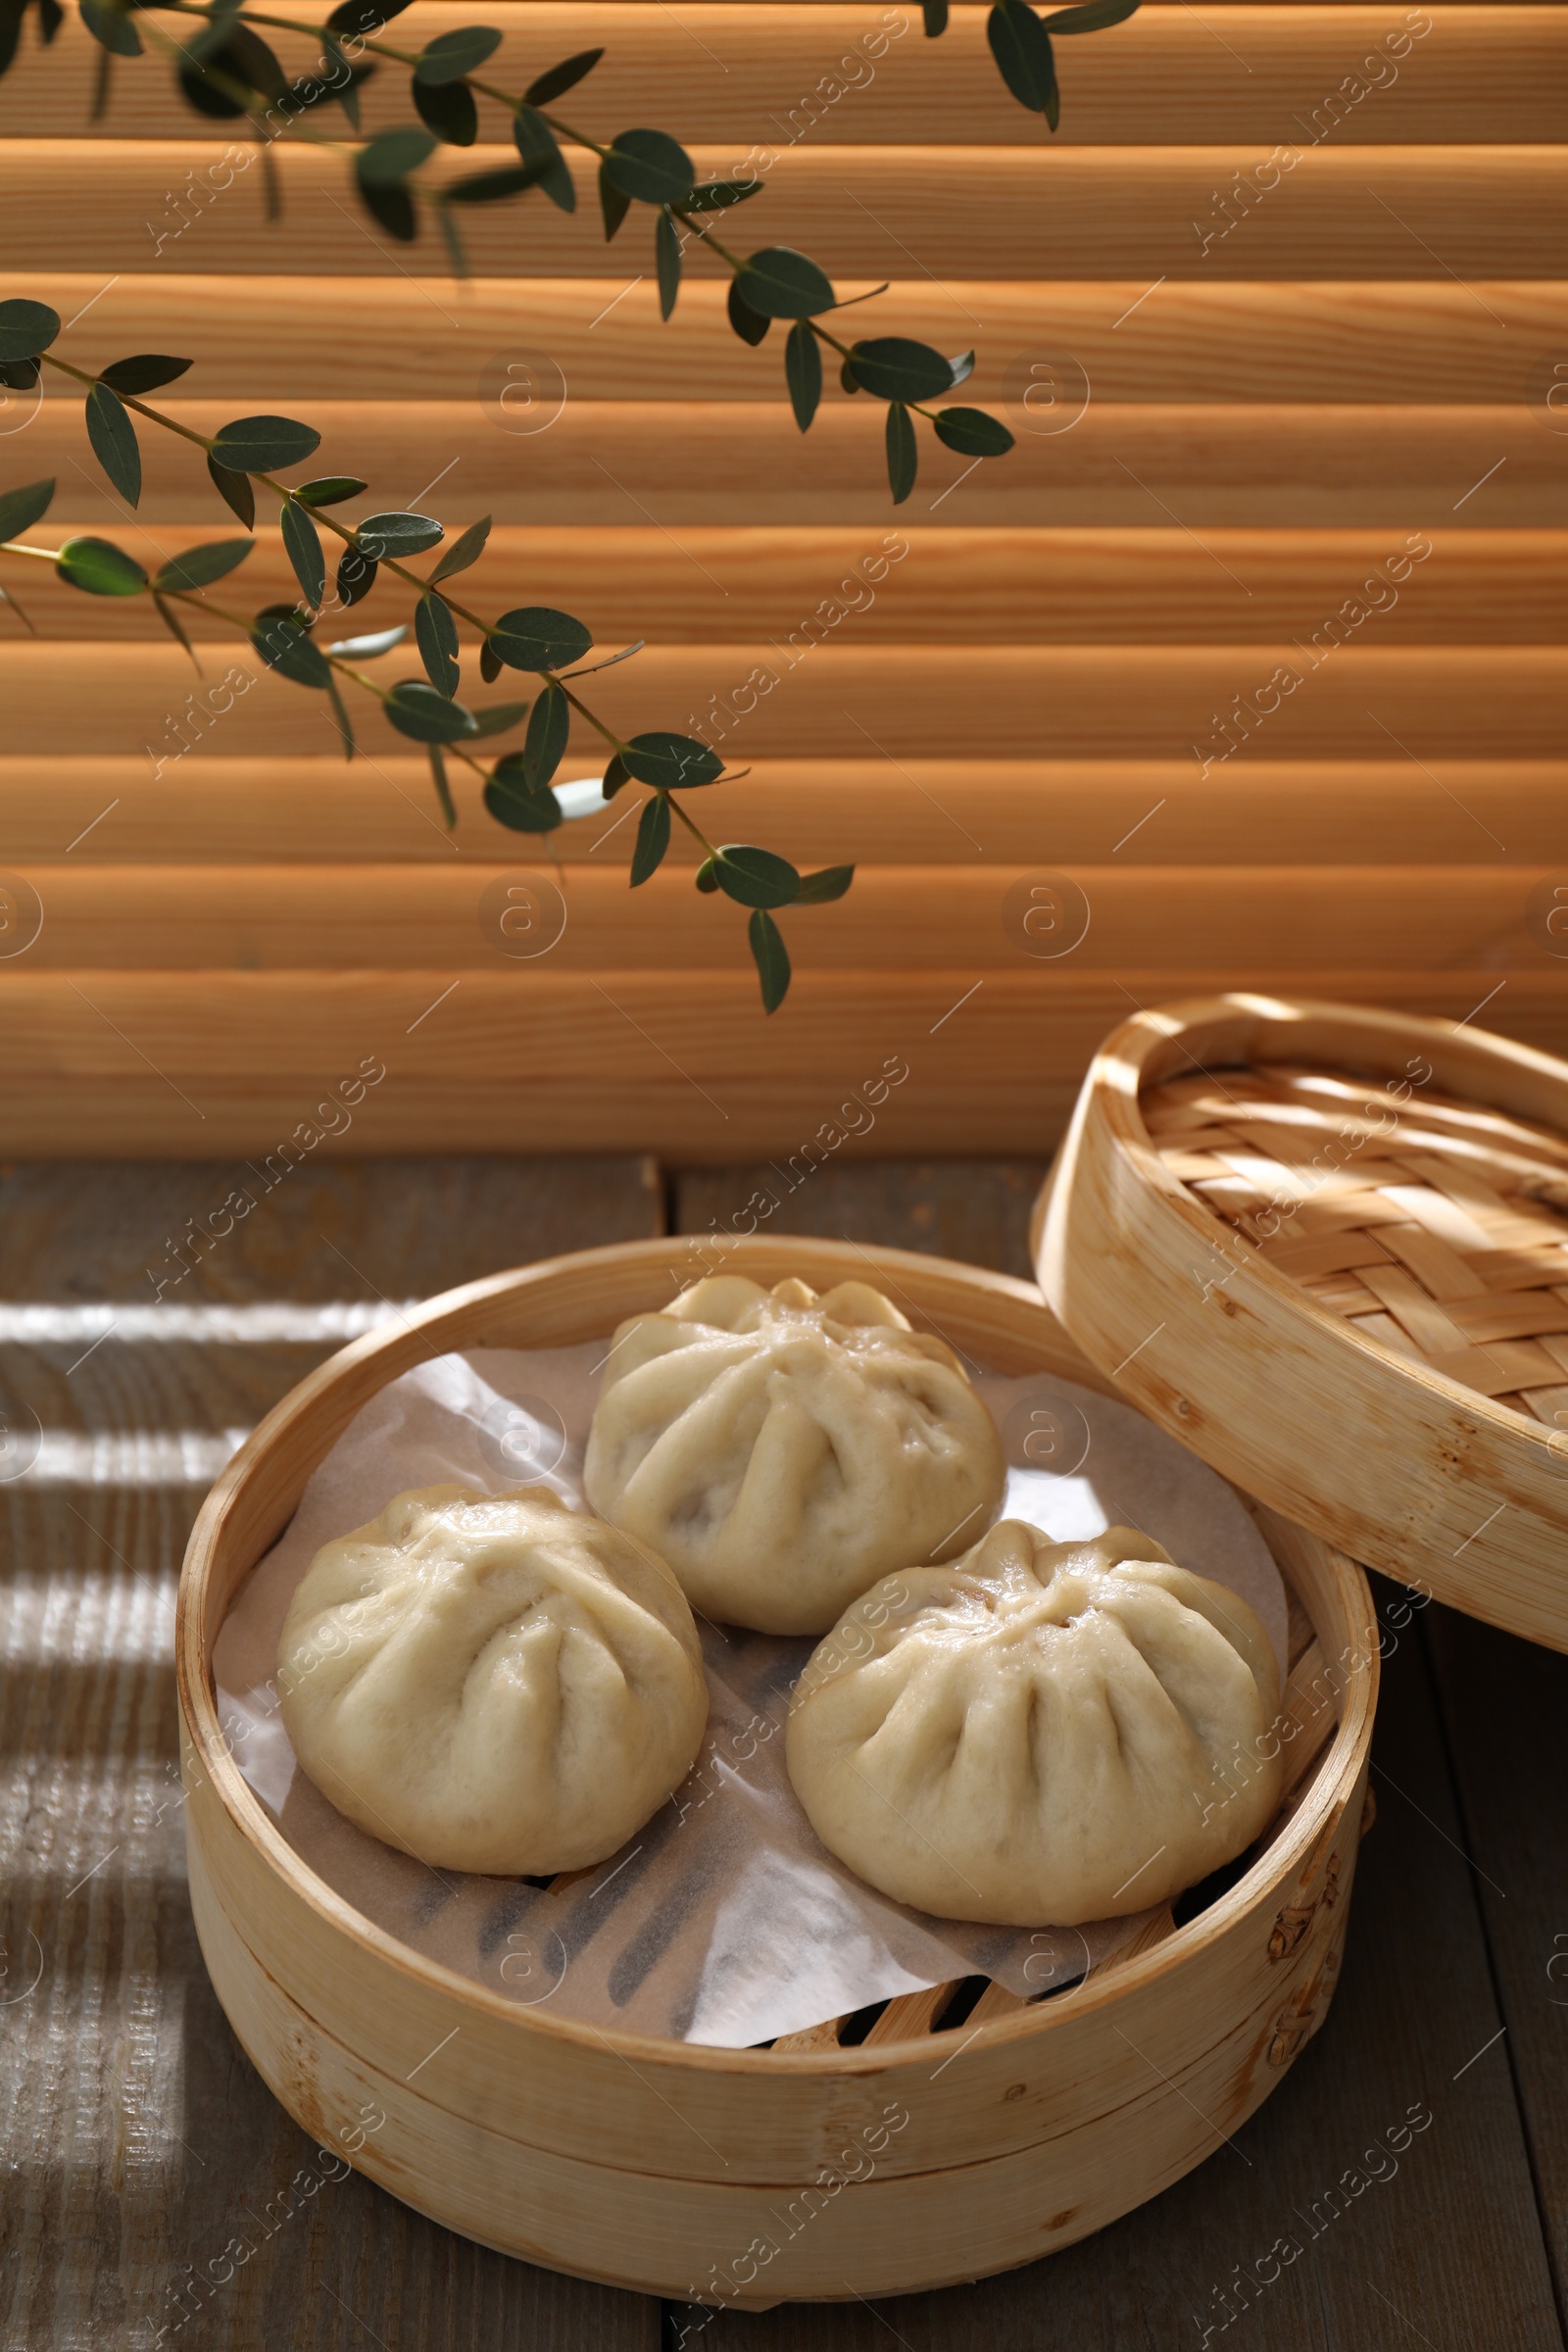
{"x": 1329, "y": 1249}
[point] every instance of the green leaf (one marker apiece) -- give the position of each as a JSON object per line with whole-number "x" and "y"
{"x": 848, "y": 380}
{"x": 284, "y": 644}
{"x": 892, "y": 368}
{"x": 489, "y": 663}
{"x": 302, "y": 544}
{"x": 538, "y": 147}
{"x": 719, "y": 195}
{"x": 387, "y": 160}
{"x": 465, "y": 550}
{"x": 448, "y": 109}
{"x": 535, "y": 637}
{"x": 19, "y": 375}
{"x": 356, "y": 576}
{"x": 707, "y": 877}
{"x": 755, "y": 877}
{"x": 544, "y": 744}
{"x": 114, "y": 441}
{"x": 562, "y": 78}
{"x": 962, "y": 366}
{"x": 667, "y": 259}
{"x": 749, "y": 324}
{"x": 489, "y": 187}
{"x": 443, "y": 790}
{"x": 904, "y": 458}
{"x": 199, "y": 566}
{"x": 27, "y": 329}
{"x": 264, "y": 444}
{"x": 111, "y": 27}
{"x": 436, "y": 636}
{"x": 653, "y": 839}
{"x": 235, "y": 492}
{"x": 100, "y": 567}
{"x": 341, "y": 718}
{"x": 451, "y": 55}
{"x": 417, "y": 709}
{"x": 650, "y": 167}
{"x": 394, "y": 209}
{"x": 513, "y": 801}
{"x": 1093, "y": 15}
{"x": 500, "y": 719}
{"x": 672, "y": 763}
{"x": 370, "y": 647}
{"x": 802, "y": 372}
{"x": 329, "y": 490}
{"x": 771, "y": 958}
{"x": 1021, "y": 47}
{"x": 366, "y": 18}
{"x": 615, "y": 775}
{"x": 779, "y": 283}
{"x": 972, "y": 433}
{"x": 612, "y": 203}
{"x": 21, "y": 508}
{"x": 831, "y": 883}
{"x": 199, "y": 87}
{"x": 173, "y": 623}
{"x": 146, "y": 373}
{"x": 397, "y": 535}
{"x": 934, "y": 14}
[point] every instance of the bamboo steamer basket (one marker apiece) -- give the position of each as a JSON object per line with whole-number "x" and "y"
{"x": 913, "y": 2159}
{"x": 1328, "y": 1248}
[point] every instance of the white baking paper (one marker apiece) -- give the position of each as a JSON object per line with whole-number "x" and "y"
{"x": 724, "y": 1922}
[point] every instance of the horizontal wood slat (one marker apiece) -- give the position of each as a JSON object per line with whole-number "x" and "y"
{"x": 1142, "y": 701}
{"x": 753, "y": 74}
{"x": 277, "y": 338}
{"x": 203, "y": 810}
{"x": 908, "y": 585}
{"x": 1112, "y": 463}
{"x": 147, "y": 1064}
{"x": 1408, "y": 213}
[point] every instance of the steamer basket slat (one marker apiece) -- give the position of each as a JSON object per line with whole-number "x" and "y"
{"x": 910, "y": 2160}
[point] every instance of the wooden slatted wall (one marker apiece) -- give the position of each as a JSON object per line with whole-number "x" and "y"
{"x": 1250, "y": 394}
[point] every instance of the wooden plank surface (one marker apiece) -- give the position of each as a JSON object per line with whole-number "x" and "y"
{"x": 139, "y": 2143}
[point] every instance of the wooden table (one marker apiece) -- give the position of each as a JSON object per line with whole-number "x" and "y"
{"x": 136, "y": 2135}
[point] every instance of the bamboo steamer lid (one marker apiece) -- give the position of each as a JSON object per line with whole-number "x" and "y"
{"x": 1327, "y": 1247}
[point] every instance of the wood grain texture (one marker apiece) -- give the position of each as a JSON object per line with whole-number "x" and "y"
{"x": 767, "y": 74}
{"x": 1108, "y": 812}
{"x": 139, "y": 2141}
{"x": 590, "y": 462}
{"x": 1199, "y": 212}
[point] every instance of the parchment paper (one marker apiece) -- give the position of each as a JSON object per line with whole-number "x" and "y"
{"x": 724, "y": 1921}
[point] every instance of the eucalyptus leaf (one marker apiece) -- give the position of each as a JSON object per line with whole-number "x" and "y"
{"x": 465, "y": 550}
{"x": 100, "y": 568}
{"x": 755, "y": 877}
{"x": 802, "y": 372}
{"x": 443, "y": 790}
{"x": 616, "y": 773}
{"x": 436, "y": 636}
{"x": 394, "y": 209}
{"x": 27, "y": 327}
{"x": 329, "y": 490}
{"x": 176, "y": 628}
{"x": 934, "y": 15}
{"x": 367, "y": 649}
{"x": 1021, "y": 47}
{"x": 1092, "y": 16}
{"x": 848, "y": 380}
{"x": 749, "y": 324}
{"x": 285, "y": 645}
{"x": 650, "y": 167}
{"x": 488, "y": 187}
{"x": 562, "y": 78}
{"x": 201, "y": 87}
{"x": 544, "y": 744}
{"x": 653, "y": 839}
{"x": 707, "y": 877}
{"x": 972, "y": 433}
{"x": 612, "y": 203}
{"x": 448, "y": 109}
{"x": 340, "y": 719}
{"x": 962, "y": 366}
{"x": 148, "y": 371}
{"x": 489, "y": 663}
{"x": 264, "y": 444}
{"x": 513, "y": 801}
{"x": 667, "y": 260}
{"x": 386, "y": 161}
{"x": 416, "y": 710}
{"x": 111, "y": 27}
{"x": 235, "y": 491}
{"x": 536, "y": 637}
{"x": 398, "y": 535}
{"x": 672, "y": 763}
{"x": 541, "y": 153}
{"x": 199, "y": 566}
{"x": 831, "y": 883}
{"x": 302, "y": 544}
{"x": 366, "y": 17}
{"x": 771, "y": 958}
{"x": 451, "y": 55}
{"x": 778, "y": 283}
{"x": 721, "y": 195}
{"x": 500, "y": 719}
{"x": 904, "y": 458}
{"x": 19, "y": 375}
{"x": 356, "y": 576}
{"x": 892, "y": 368}
{"x": 21, "y": 508}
